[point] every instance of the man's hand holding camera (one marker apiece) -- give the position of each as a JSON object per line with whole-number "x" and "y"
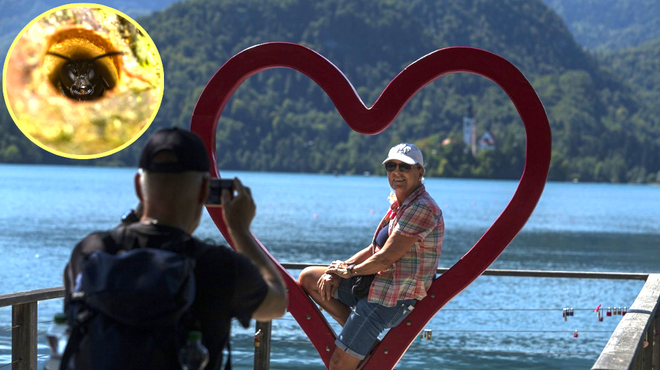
{"x": 238, "y": 211}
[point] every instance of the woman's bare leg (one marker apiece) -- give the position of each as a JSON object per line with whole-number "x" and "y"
{"x": 308, "y": 279}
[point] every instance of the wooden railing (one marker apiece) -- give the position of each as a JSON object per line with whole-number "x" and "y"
{"x": 24, "y": 324}
{"x": 634, "y": 345}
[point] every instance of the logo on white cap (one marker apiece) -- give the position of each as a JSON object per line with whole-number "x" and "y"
{"x": 407, "y": 153}
{"x": 403, "y": 148}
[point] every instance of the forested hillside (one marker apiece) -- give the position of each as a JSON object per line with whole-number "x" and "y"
{"x": 281, "y": 121}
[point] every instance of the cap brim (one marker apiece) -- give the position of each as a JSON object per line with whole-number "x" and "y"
{"x": 400, "y": 157}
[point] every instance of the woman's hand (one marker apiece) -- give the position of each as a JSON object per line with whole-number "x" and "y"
{"x": 338, "y": 263}
{"x": 327, "y": 285}
{"x": 339, "y": 269}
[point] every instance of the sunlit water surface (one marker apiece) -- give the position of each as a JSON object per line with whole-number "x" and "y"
{"x": 497, "y": 322}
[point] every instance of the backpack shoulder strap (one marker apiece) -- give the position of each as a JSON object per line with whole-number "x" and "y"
{"x": 113, "y": 241}
{"x": 119, "y": 239}
{"x": 78, "y": 331}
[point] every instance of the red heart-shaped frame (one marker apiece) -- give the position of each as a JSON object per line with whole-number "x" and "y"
{"x": 374, "y": 120}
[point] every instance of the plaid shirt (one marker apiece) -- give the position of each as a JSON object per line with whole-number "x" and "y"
{"x": 410, "y": 277}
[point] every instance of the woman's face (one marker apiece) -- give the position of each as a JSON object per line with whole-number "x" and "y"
{"x": 404, "y": 183}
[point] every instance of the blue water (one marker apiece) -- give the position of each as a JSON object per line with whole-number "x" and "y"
{"x": 499, "y": 322}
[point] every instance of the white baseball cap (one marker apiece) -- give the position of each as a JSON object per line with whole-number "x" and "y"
{"x": 406, "y": 153}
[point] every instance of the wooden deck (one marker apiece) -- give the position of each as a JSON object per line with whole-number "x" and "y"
{"x": 634, "y": 345}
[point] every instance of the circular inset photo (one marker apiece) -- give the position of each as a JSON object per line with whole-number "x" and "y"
{"x": 83, "y": 81}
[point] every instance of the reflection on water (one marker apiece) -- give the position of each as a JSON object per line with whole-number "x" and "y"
{"x": 507, "y": 323}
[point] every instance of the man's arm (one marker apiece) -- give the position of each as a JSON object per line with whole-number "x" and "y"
{"x": 238, "y": 214}
{"x": 85, "y": 247}
{"x": 276, "y": 301}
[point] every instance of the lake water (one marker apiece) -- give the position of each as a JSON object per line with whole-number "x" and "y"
{"x": 498, "y": 322}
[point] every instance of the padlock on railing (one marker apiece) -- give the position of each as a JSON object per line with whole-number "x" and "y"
{"x": 426, "y": 334}
{"x": 257, "y": 338}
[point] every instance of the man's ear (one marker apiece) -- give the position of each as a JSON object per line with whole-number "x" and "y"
{"x": 204, "y": 190}
{"x": 138, "y": 187}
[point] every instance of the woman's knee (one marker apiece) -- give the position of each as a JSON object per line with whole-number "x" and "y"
{"x": 341, "y": 360}
{"x": 309, "y": 276}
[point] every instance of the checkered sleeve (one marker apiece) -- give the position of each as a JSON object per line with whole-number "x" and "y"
{"x": 416, "y": 221}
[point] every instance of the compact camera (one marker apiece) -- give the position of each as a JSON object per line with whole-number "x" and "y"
{"x": 215, "y": 191}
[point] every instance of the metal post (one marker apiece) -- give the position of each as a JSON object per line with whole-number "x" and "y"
{"x": 262, "y": 345}
{"x": 24, "y": 336}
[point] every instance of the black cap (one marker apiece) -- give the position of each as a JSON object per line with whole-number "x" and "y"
{"x": 188, "y": 149}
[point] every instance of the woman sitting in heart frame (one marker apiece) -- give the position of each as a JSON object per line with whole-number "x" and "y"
{"x": 378, "y": 287}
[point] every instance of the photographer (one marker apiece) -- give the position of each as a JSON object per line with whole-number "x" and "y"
{"x": 172, "y": 185}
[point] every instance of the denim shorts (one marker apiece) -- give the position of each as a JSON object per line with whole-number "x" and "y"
{"x": 367, "y": 320}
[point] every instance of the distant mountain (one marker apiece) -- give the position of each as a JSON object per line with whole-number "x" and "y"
{"x": 610, "y": 24}
{"x": 16, "y": 14}
{"x": 639, "y": 66}
{"x": 279, "y": 120}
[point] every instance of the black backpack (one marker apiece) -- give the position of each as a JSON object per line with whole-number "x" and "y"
{"x": 130, "y": 308}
